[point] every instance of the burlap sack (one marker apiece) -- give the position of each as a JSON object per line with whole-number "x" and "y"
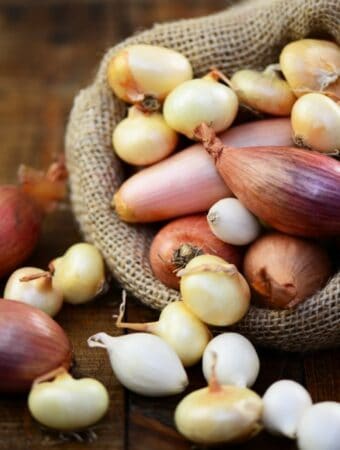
{"x": 251, "y": 35}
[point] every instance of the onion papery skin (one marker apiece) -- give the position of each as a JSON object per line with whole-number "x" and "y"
{"x": 31, "y": 344}
{"x": 295, "y": 191}
{"x": 181, "y": 240}
{"x": 20, "y": 225}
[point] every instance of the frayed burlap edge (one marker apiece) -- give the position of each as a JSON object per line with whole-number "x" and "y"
{"x": 249, "y": 35}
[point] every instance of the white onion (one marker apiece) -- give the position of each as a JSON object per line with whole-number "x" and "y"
{"x": 237, "y": 362}
{"x": 232, "y": 222}
{"x": 284, "y": 403}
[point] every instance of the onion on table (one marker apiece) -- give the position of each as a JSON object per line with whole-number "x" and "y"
{"x": 22, "y": 209}
{"x": 166, "y": 189}
{"x": 177, "y": 326}
{"x": 293, "y": 190}
{"x": 31, "y": 344}
{"x": 181, "y": 240}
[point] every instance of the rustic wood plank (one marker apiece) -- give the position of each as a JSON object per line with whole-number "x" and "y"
{"x": 323, "y": 375}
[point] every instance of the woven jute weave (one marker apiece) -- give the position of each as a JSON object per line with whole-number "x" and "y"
{"x": 247, "y": 35}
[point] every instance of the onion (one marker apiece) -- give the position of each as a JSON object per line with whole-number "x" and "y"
{"x": 312, "y": 65}
{"x": 178, "y": 327}
{"x": 143, "y": 138}
{"x": 284, "y": 270}
{"x": 20, "y": 225}
{"x": 316, "y": 123}
{"x": 319, "y": 427}
{"x": 165, "y": 190}
{"x": 284, "y": 404}
{"x": 31, "y": 344}
{"x": 67, "y": 404}
{"x": 219, "y": 414}
{"x": 22, "y": 209}
{"x": 181, "y": 240}
{"x": 37, "y": 292}
{"x": 200, "y": 100}
{"x": 283, "y": 186}
{"x": 79, "y": 274}
{"x": 214, "y": 290}
{"x": 143, "y": 363}
{"x": 263, "y": 91}
{"x": 231, "y": 222}
{"x": 237, "y": 362}
{"x": 140, "y": 70}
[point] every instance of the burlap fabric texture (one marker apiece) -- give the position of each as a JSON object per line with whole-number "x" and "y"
{"x": 247, "y": 35}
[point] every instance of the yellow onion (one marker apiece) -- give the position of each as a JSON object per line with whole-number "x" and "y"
{"x": 214, "y": 290}
{"x": 177, "y": 326}
{"x": 67, "y": 404}
{"x": 200, "y": 100}
{"x": 37, "y": 292}
{"x": 143, "y": 138}
{"x": 316, "y": 123}
{"x": 263, "y": 91}
{"x": 79, "y": 274}
{"x": 142, "y": 70}
{"x": 219, "y": 414}
{"x": 311, "y": 65}
{"x": 284, "y": 270}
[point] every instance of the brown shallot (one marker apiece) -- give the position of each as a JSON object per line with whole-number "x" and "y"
{"x": 283, "y": 270}
{"x": 31, "y": 344}
{"x": 293, "y": 190}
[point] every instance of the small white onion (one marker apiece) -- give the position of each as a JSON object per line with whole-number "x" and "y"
{"x": 143, "y": 138}
{"x": 67, "y": 404}
{"x": 237, "y": 362}
{"x": 232, "y": 222}
{"x": 143, "y": 363}
{"x": 319, "y": 427}
{"x": 316, "y": 123}
{"x": 200, "y": 100}
{"x": 37, "y": 292}
{"x": 284, "y": 403}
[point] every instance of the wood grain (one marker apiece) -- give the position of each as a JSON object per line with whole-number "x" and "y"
{"x": 48, "y": 51}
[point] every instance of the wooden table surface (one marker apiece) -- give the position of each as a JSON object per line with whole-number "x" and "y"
{"x": 48, "y": 51}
